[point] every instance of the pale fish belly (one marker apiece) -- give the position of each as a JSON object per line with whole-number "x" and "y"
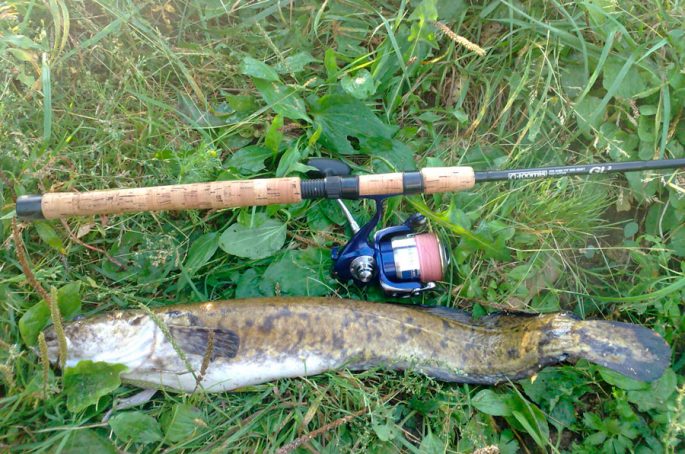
{"x": 227, "y": 375}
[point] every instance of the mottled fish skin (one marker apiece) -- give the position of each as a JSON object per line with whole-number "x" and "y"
{"x": 262, "y": 339}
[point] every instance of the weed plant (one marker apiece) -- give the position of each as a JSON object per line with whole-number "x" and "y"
{"x": 107, "y": 94}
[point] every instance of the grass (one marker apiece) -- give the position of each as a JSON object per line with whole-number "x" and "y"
{"x": 112, "y": 94}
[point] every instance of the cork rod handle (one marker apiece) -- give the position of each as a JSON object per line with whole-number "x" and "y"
{"x": 219, "y": 194}
{"x": 232, "y": 194}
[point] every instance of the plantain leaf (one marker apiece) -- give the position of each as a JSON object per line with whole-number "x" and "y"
{"x": 361, "y": 85}
{"x": 49, "y": 235}
{"x": 180, "y": 422}
{"x": 87, "y": 440}
{"x": 299, "y": 273}
{"x": 491, "y": 403}
{"x": 201, "y": 251}
{"x": 253, "y": 242}
{"x": 260, "y": 70}
{"x": 283, "y": 100}
{"x": 136, "y": 427}
{"x": 86, "y": 382}
{"x": 37, "y": 317}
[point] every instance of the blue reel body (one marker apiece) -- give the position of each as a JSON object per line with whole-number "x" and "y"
{"x": 363, "y": 260}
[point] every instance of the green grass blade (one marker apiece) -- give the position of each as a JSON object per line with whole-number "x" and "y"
{"x": 46, "y": 83}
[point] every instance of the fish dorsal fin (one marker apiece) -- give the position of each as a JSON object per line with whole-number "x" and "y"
{"x": 194, "y": 340}
{"x": 449, "y": 313}
{"x": 504, "y": 317}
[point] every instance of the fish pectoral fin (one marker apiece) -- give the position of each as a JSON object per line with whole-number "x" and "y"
{"x": 129, "y": 402}
{"x": 221, "y": 343}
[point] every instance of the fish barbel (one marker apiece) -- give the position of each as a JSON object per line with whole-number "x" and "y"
{"x": 252, "y": 341}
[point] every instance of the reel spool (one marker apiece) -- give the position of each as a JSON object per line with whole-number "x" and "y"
{"x": 403, "y": 261}
{"x": 413, "y": 257}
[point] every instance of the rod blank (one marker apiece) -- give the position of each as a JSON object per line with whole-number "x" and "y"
{"x": 269, "y": 191}
{"x": 581, "y": 169}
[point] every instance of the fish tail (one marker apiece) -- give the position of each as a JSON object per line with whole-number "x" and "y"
{"x": 632, "y": 350}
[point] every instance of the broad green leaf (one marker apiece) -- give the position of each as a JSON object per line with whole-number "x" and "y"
{"x": 507, "y": 443}
{"x": 630, "y": 229}
{"x": 599, "y": 11}
{"x": 86, "y": 382}
{"x": 343, "y": 117}
{"x": 427, "y": 10}
{"x": 596, "y": 438}
{"x": 385, "y": 431}
{"x": 198, "y": 117}
{"x": 243, "y": 104}
{"x": 432, "y": 444}
{"x": 260, "y": 70}
{"x": 631, "y": 85}
{"x": 646, "y": 128}
{"x": 201, "y": 251}
{"x": 536, "y": 427}
{"x": 449, "y": 10}
{"x": 361, "y": 85}
{"x": 302, "y": 272}
{"x": 250, "y": 159}
{"x": 283, "y": 100}
{"x": 657, "y": 394}
{"x": 642, "y": 189}
{"x": 330, "y": 63}
{"x": 532, "y": 419}
{"x": 573, "y": 79}
{"x": 677, "y": 242}
{"x": 295, "y": 63}
{"x": 587, "y": 116}
{"x": 388, "y": 155}
{"x": 247, "y": 284}
{"x": 491, "y": 403}
{"x": 49, "y": 235}
{"x": 290, "y": 162}
{"x": 274, "y": 136}
{"x": 181, "y": 422}
{"x": 88, "y": 441}
{"x": 136, "y": 427}
{"x": 253, "y": 242}
{"x": 37, "y": 317}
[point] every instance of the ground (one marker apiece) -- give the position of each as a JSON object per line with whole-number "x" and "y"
{"x": 106, "y": 94}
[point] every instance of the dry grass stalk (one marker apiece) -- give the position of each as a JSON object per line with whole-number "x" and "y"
{"x": 45, "y": 362}
{"x": 7, "y": 375}
{"x": 296, "y": 443}
{"x": 21, "y": 255}
{"x": 206, "y": 358}
{"x": 460, "y": 39}
{"x": 57, "y": 324}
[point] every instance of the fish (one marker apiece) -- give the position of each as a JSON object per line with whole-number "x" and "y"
{"x": 227, "y": 345}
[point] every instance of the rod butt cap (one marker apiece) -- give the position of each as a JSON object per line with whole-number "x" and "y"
{"x": 29, "y": 207}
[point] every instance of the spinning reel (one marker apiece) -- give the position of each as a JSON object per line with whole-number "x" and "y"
{"x": 404, "y": 261}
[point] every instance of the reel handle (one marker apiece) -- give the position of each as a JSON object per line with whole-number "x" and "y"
{"x": 239, "y": 193}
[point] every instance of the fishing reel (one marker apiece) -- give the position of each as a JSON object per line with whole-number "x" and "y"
{"x": 404, "y": 261}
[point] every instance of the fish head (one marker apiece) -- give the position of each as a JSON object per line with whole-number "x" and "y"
{"x": 115, "y": 337}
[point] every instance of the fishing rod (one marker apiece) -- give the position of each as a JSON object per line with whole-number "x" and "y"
{"x": 404, "y": 261}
